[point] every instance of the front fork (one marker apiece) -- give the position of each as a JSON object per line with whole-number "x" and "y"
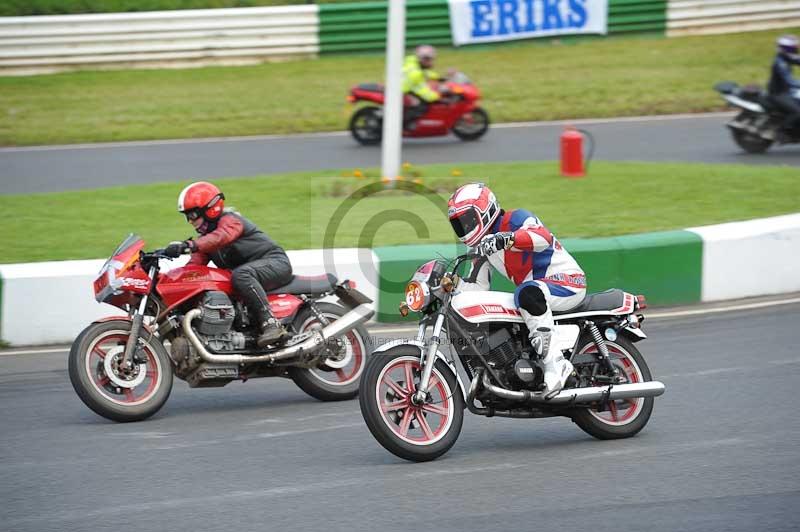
{"x": 430, "y": 359}
{"x": 136, "y": 328}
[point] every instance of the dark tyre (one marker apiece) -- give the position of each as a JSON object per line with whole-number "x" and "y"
{"x": 622, "y": 418}
{"x": 472, "y": 125}
{"x": 416, "y": 433}
{"x": 366, "y": 125}
{"x": 749, "y": 142}
{"x": 338, "y": 377}
{"x": 110, "y": 390}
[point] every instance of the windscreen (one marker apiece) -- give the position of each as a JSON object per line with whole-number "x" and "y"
{"x": 130, "y": 241}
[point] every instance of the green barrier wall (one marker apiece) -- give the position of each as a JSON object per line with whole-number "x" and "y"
{"x": 361, "y": 26}
{"x": 634, "y": 16}
{"x": 666, "y": 267}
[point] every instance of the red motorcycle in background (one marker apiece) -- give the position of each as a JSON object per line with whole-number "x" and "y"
{"x": 187, "y": 322}
{"x": 457, "y": 111}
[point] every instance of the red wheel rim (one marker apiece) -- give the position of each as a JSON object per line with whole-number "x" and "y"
{"x": 417, "y": 424}
{"x": 621, "y": 411}
{"x": 338, "y": 374}
{"x": 127, "y": 389}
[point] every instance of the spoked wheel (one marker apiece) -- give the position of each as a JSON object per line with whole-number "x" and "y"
{"x": 472, "y": 125}
{"x": 621, "y": 418}
{"x": 366, "y": 126}
{"x": 337, "y": 378}
{"x": 111, "y": 389}
{"x": 414, "y": 432}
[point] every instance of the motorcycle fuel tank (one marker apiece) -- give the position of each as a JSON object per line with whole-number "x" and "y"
{"x": 181, "y": 284}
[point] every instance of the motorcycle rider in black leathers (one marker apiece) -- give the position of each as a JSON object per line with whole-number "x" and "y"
{"x": 235, "y": 243}
{"x": 784, "y": 89}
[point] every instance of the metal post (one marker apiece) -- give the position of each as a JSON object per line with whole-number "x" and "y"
{"x": 393, "y": 94}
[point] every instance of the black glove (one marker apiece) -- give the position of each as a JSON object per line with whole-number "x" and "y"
{"x": 491, "y": 244}
{"x": 176, "y": 249}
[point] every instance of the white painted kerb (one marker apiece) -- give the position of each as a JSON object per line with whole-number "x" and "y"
{"x": 753, "y": 258}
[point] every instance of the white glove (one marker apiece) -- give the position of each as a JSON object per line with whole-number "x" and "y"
{"x": 491, "y": 244}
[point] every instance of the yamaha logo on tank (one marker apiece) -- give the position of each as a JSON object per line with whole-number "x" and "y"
{"x": 474, "y": 21}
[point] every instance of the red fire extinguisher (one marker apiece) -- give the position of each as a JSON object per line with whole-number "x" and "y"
{"x": 572, "y": 152}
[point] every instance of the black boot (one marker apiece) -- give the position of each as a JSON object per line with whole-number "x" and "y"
{"x": 271, "y": 332}
{"x": 270, "y": 328}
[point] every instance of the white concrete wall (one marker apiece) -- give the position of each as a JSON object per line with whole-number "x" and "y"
{"x": 753, "y": 258}
{"x": 51, "y": 302}
{"x": 189, "y": 37}
{"x": 703, "y": 17}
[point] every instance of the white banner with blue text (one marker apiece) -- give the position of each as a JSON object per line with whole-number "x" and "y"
{"x": 480, "y": 21}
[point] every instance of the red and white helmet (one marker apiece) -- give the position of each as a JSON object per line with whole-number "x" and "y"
{"x": 472, "y": 211}
{"x": 201, "y": 199}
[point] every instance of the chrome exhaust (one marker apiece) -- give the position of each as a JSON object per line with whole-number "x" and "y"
{"x": 314, "y": 343}
{"x": 581, "y": 395}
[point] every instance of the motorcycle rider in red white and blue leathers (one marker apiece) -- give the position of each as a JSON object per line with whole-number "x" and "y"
{"x": 518, "y": 245}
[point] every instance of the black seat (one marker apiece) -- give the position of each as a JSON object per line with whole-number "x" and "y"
{"x": 608, "y": 300}
{"x": 372, "y": 87}
{"x": 315, "y": 284}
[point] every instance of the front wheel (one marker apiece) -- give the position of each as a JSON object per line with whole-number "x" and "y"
{"x": 338, "y": 376}
{"x": 366, "y": 126}
{"x": 413, "y": 432}
{"x": 621, "y": 418}
{"x": 110, "y": 389}
{"x": 472, "y": 125}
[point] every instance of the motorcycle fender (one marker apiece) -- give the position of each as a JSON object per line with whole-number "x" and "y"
{"x": 421, "y": 346}
{"x": 635, "y": 334}
{"x": 121, "y": 318}
{"x": 744, "y": 104}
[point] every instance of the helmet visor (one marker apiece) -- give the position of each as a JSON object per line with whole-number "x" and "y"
{"x": 465, "y": 223}
{"x": 193, "y": 214}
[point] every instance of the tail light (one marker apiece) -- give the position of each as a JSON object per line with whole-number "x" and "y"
{"x": 351, "y": 98}
{"x": 641, "y": 302}
{"x": 351, "y": 284}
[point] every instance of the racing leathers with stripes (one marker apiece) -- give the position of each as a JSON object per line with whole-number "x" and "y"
{"x": 547, "y": 278}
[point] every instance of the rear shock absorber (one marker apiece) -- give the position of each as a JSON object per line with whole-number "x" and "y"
{"x": 602, "y": 347}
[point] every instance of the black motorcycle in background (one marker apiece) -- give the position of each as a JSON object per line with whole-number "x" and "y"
{"x": 758, "y": 126}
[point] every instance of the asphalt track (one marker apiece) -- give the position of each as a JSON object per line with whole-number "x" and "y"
{"x": 720, "y": 453}
{"x": 699, "y": 138}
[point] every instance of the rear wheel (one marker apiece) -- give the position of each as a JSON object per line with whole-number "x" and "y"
{"x": 622, "y": 418}
{"x": 366, "y": 126}
{"x": 749, "y": 142}
{"x": 337, "y": 377}
{"x": 110, "y": 389}
{"x": 414, "y": 432}
{"x": 472, "y": 125}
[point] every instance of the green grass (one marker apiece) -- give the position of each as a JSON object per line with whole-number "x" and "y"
{"x": 540, "y": 80}
{"x": 296, "y": 209}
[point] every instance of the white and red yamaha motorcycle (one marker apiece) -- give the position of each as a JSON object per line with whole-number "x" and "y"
{"x": 412, "y": 397}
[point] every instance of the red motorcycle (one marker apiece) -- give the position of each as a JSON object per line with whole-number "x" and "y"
{"x": 187, "y": 322}
{"x": 457, "y": 111}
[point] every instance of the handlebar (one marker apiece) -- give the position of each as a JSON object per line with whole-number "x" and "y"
{"x": 156, "y": 254}
{"x": 461, "y": 259}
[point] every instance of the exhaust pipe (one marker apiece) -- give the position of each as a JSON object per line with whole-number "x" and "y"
{"x": 315, "y": 342}
{"x": 581, "y": 395}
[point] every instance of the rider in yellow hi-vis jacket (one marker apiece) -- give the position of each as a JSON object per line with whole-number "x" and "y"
{"x": 417, "y": 72}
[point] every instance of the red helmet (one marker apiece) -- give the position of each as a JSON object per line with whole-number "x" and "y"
{"x": 201, "y": 199}
{"x": 472, "y": 210}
